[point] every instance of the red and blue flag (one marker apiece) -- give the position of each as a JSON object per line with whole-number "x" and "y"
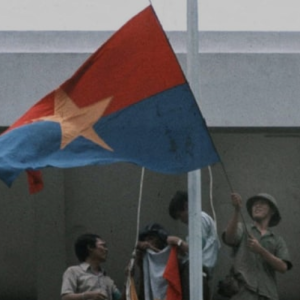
{"x": 129, "y": 101}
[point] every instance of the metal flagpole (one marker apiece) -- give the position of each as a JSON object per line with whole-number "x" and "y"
{"x": 194, "y": 178}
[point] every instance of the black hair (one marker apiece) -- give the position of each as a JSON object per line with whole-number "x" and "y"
{"x": 153, "y": 229}
{"x": 82, "y": 243}
{"x": 178, "y": 204}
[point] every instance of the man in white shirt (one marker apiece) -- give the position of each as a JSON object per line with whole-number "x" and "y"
{"x": 178, "y": 209}
{"x": 87, "y": 280}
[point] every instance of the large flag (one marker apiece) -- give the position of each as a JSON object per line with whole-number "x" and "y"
{"x": 129, "y": 101}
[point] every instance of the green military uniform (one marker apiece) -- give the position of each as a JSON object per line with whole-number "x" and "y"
{"x": 256, "y": 275}
{"x": 257, "y": 278}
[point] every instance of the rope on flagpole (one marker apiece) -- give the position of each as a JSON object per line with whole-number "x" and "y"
{"x": 232, "y": 191}
{"x": 230, "y": 185}
{"x": 139, "y": 205}
{"x": 211, "y": 195}
{"x": 133, "y": 256}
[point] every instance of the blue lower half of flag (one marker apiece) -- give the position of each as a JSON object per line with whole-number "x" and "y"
{"x": 165, "y": 133}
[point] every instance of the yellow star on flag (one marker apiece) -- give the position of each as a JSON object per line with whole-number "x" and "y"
{"x": 75, "y": 121}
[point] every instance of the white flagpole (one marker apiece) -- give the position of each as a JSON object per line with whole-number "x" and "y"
{"x": 194, "y": 178}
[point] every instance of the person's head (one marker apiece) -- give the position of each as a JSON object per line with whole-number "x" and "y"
{"x": 90, "y": 246}
{"x": 155, "y": 234}
{"x": 178, "y": 207}
{"x": 263, "y": 206}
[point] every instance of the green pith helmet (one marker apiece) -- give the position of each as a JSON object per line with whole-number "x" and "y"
{"x": 275, "y": 219}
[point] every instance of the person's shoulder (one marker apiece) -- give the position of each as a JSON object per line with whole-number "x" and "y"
{"x": 208, "y": 224}
{"x": 204, "y": 214}
{"x": 278, "y": 237}
{"x": 73, "y": 269}
{"x": 206, "y": 217}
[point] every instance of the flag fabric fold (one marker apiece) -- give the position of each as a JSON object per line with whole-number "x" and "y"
{"x": 161, "y": 275}
{"x": 131, "y": 293}
{"x": 172, "y": 275}
{"x": 128, "y": 102}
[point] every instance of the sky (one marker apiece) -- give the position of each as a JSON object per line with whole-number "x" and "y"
{"x": 94, "y": 15}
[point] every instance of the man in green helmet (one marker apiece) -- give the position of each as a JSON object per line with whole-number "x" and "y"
{"x": 258, "y": 252}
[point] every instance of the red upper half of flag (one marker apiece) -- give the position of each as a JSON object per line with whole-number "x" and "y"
{"x": 135, "y": 63}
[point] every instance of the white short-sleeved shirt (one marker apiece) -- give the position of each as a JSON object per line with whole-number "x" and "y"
{"x": 80, "y": 279}
{"x": 210, "y": 242}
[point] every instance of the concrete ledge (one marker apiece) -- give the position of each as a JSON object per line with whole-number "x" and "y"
{"x": 89, "y": 41}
